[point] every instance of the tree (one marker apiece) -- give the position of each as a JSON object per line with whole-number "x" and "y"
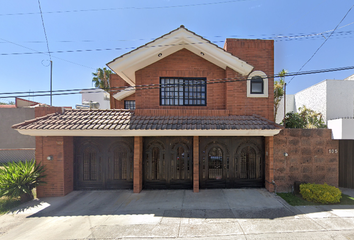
{"x": 306, "y": 118}
{"x": 101, "y": 78}
{"x": 279, "y": 91}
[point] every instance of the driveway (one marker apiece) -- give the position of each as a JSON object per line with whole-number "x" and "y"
{"x": 214, "y": 214}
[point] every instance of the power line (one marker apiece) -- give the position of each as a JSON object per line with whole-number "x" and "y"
{"x": 323, "y": 42}
{"x": 126, "y": 8}
{"x": 132, "y": 48}
{"x": 50, "y": 57}
{"x": 45, "y": 33}
{"x": 157, "y": 86}
{"x": 45, "y": 53}
{"x": 277, "y": 37}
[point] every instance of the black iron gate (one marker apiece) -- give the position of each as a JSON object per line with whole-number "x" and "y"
{"x": 103, "y": 163}
{"x": 168, "y": 163}
{"x": 231, "y": 162}
{"x": 346, "y": 163}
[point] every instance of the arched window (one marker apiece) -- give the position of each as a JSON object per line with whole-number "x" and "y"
{"x": 257, "y": 85}
{"x": 215, "y": 158}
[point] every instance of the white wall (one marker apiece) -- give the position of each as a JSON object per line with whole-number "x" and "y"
{"x": 342, "y": 128}
{"x": 290, "y": 107}
{"x": 96, "y": 95}
{"x": 340, "y": 99}
{"x": 314, "y": 98}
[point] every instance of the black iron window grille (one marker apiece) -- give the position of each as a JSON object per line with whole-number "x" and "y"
{"x": 183, "y": 92}
{"x": 129, "y": 104}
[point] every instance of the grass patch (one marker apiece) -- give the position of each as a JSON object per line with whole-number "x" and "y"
{"x": 297, "y": 200}
{"x": 6, "y": 204}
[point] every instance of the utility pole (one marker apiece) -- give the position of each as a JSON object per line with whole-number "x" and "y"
{"x": 284, "y": 103}
{"x": 51, "y": 83}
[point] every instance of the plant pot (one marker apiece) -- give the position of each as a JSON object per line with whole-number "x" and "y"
{"x": 26, "y": 197}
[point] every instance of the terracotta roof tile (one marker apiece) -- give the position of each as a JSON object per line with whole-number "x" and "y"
{"x": 126, "y": 120}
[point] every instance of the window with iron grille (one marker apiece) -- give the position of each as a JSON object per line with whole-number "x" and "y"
{"x": 129, "y": 104}
{"x": 183, "y": 92}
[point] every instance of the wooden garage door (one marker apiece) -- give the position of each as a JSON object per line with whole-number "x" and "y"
{"x": 168, "y": 163}
{"x": 103, "y": 163}
{"x": 231, "y": 162}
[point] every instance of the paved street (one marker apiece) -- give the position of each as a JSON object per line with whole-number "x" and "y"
{"x": 181, "y": 214}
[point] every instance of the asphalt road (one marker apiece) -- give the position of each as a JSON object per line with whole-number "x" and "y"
{"x": 176, "y": 214}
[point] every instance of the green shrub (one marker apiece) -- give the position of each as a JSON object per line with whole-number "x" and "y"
{"x": 320, "y": 193}
{"x": 18, "y": 179}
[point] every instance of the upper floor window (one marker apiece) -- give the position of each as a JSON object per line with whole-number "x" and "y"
{"x": 257, "y": 85}
{"x": 183, "y": 91}
{"x": 129, "y": 104}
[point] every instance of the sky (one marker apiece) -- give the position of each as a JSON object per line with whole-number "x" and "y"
{"x": 86, "y": 35}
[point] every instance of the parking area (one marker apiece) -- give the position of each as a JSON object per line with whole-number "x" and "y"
{"x": 214, "y": 214}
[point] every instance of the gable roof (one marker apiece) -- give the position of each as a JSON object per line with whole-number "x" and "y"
{"x": 125, "y": 123}
{"x": 127, "y": 64}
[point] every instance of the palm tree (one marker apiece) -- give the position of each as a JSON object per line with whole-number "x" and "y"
{"x": 101, "y": 78}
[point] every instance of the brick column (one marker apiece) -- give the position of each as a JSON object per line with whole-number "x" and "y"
{"x": 195, "y": 164}
{"x": 138, "y": 164}
{"x": 269, "y": 163}
{"x": 60, "y": 170}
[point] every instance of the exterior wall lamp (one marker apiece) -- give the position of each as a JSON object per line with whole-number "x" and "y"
{"x": 50, "y": 157}
{"x": 286, "y": 154}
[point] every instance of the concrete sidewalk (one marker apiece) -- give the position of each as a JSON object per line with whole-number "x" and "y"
{"x": 209, "y": 214}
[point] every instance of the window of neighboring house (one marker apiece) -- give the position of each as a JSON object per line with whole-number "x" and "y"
{"x": 129, "y": 104}
{"x": 183, "y": 92}
{"x": 257, "y": 85}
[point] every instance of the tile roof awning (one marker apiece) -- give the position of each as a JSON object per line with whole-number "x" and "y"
{"x": 126, "y": 123}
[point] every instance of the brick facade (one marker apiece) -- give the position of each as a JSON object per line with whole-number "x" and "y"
{"x": 59, "y": 170}
{"x": 228, "y": 98}
{"x": 310, "y": 157}
{"x": 138, "y": 165}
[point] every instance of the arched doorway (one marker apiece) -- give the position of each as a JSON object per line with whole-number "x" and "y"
{"x": 168, "y": 163}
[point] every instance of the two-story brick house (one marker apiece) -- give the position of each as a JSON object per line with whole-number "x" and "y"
{"x": 186, "y": 114}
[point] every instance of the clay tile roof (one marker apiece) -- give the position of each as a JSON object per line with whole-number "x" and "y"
{"x": 126, "y": 120}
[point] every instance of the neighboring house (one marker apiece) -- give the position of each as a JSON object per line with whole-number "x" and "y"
{"x": 335, "y": 100}
{"x": 203, "y": 118}
{"x": 13, "y": 145}
{"x": 96, "y": 98}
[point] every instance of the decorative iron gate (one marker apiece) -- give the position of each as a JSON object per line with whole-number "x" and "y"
{"x": 231, "y": 162}
{"x": 103, "y": 163}
{"x": 168, "y": 163}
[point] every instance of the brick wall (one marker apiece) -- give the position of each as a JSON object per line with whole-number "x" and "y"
{"x": 182, "y": 63}
{"x": 309, "y": 159}
{"x": 260, "y": 54}
{"x": 42, "y": 111}
{"x": 230, "y": 97}
{"x": 117, "y": 81}
{"x": 59, "y": 171}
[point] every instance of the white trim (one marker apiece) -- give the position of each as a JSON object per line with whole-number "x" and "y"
{"x": 265, "y": 85}
{"x": 128, "y": 64}
{"x": 146, "y": 133}
{"x": 124, "y": 93}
